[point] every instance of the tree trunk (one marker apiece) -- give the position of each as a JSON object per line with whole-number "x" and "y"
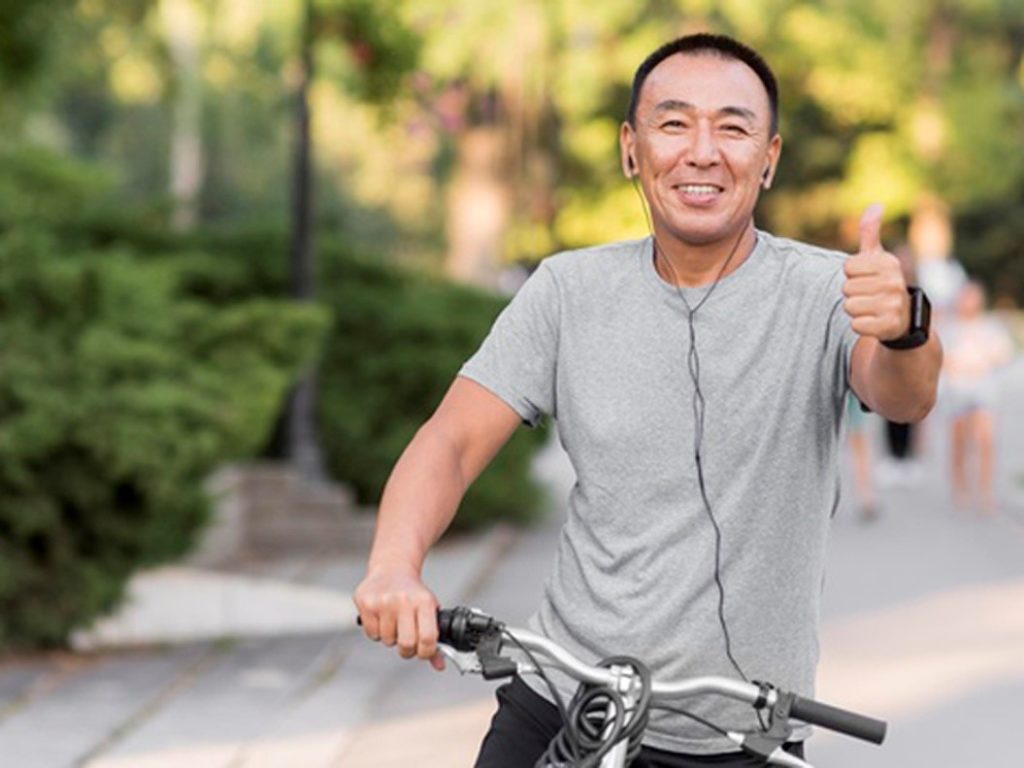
{"x": 303, "y": 448}
{"x": 182, "y": 26}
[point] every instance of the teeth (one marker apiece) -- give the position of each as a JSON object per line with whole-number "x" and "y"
{"x": 699, "y": 189}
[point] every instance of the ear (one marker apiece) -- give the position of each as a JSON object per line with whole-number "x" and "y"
{"x": 627, "y": 150}
{"x": 774, "y": 152}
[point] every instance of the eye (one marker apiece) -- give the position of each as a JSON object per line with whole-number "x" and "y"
{"x": 735, "y": 129}
{"x": 673, "y": 123}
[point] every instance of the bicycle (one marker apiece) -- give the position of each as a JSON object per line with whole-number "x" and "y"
{"x": 606, "y": 719}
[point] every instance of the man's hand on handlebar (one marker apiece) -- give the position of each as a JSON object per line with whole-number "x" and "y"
{"x": 396, "y": 608}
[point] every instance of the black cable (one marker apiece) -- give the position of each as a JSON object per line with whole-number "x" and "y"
{"x": 696, "y": 718}
{"x": 559, "y": 703}
{"x": 693, "y": 367}
{"x": 587, "y": 735}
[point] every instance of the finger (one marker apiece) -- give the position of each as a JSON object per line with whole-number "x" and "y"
{"x": 407, "y": 633}
{"x": 871, "y": 228}
{"x": 860, "y": 265}
{"x": 388, "y": 628}
{"x": 861, "y": 306}
{"x": 863, "y": 285}
{"x": 437, "y": 662}
{"x": 369, "y": 621}
{"x": 867, "y": 325}
{"x": 426, "y": 619}
{"x": 371, "y": 626}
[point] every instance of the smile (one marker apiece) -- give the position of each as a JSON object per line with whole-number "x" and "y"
{"x": 699, "y": 189}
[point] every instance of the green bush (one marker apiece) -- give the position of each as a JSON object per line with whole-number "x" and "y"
{"x": 397, "y": 342}
{"x": 119, "y": 394}
{"x": 136, "y": 360}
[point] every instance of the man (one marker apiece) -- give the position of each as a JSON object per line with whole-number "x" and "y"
{"x": 698, "y": 379}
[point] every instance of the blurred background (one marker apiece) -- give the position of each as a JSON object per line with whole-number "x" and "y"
{"x": 245, "y": 245}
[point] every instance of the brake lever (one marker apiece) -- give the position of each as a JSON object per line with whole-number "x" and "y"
{"x": 486, "y": 660}
{"x": 782, "y": 757}
{"x": 466, "y": 662}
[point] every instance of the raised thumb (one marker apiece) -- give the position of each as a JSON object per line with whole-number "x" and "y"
{"x": 871, "y": 228}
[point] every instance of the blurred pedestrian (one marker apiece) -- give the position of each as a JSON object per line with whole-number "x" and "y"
{"x": 857, "y": 423}
{"x": 977, "y": 345}
{"x": 942, "y": 279}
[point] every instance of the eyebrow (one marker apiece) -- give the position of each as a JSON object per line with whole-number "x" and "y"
{"x": 674, "y": 105}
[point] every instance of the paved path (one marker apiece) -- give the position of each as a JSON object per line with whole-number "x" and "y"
{"x": 923, "y": 625}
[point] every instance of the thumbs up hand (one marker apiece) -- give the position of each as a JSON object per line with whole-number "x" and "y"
{"x": 876, "y": 293}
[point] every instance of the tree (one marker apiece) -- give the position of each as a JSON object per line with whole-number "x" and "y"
{"x": 383, "y": 50}
{"x": 182, "y": 26}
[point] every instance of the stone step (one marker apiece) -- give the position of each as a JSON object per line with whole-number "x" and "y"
{"x": 266, "y": 509}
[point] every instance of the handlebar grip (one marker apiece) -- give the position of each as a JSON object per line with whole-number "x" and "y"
{"x": 444, "y": 626}
{"x": 842, "y": 720}
{"x": 449, "y": 630}
{"x": 463, "y": 628}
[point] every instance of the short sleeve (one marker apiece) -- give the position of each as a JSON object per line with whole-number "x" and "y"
{"x": 517, "y": 360}
{"x": 840, "y": 339}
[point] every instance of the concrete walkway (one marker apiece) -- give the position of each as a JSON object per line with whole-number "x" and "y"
{"x": 923, "y": 625}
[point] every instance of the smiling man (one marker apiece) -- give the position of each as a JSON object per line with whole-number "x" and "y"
{"x": 698, "y": 379}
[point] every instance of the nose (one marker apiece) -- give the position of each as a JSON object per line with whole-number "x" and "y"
{"x": 703, "y": 147}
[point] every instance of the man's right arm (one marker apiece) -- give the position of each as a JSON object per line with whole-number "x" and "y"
{"x": 420, "y": 499}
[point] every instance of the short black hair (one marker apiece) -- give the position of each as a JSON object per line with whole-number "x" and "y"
{"x": 716, "y": 45}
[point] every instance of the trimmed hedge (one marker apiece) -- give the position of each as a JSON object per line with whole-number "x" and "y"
{"x": 135, "y": 361}
{"x": 397, "y": 342}
{"x": 398, "y": 338}
{"x": 119, "y": 395}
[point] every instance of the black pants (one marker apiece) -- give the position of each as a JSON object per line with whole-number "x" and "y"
{"x": 526, "y": 722}
{"x": 899, "y": 437}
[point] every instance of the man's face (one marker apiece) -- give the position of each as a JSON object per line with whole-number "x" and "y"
{"x": 702, "y": 144}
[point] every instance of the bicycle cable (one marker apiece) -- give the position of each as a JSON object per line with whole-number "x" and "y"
{"x": 559, "y": 703}
{"x": 585, "y": 722}
{"x": 587, "y": 735}
{"x": 696, "y": 718}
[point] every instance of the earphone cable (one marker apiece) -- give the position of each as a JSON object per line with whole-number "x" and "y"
{"x": 699, "y": 405}
{"x": 693, "y": 367}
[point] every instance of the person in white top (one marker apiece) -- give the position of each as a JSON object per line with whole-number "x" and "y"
{"x": 977, "y": 344}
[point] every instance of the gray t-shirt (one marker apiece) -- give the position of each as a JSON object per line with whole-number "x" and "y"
{"x": 597, "y": 340}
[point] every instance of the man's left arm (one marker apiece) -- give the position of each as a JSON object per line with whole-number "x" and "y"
{"x": 899, "y": 384}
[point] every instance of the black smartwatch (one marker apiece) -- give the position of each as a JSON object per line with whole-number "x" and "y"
{"x": 920, "y": 320}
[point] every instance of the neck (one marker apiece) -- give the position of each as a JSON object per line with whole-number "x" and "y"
{"x": 692, "y": 266}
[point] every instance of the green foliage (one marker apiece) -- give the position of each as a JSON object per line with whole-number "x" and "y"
{"x": 901, "y": 102}
{"x": 37, "y": 187}
{"x": 397, "y": 342}
{"x": 125, "y": 383}
{"x": 25, "y": 37}
{"x": 118, "y": 398}
{"x": 989, "y": 242}
{"x": 382, "y": 48}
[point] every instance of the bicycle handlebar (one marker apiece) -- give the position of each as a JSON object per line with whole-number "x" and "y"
{"x": 463, "y": 628}
{"x": 841, "y": 720}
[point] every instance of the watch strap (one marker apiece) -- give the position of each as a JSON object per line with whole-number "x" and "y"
{"x": 920, "y": 322}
